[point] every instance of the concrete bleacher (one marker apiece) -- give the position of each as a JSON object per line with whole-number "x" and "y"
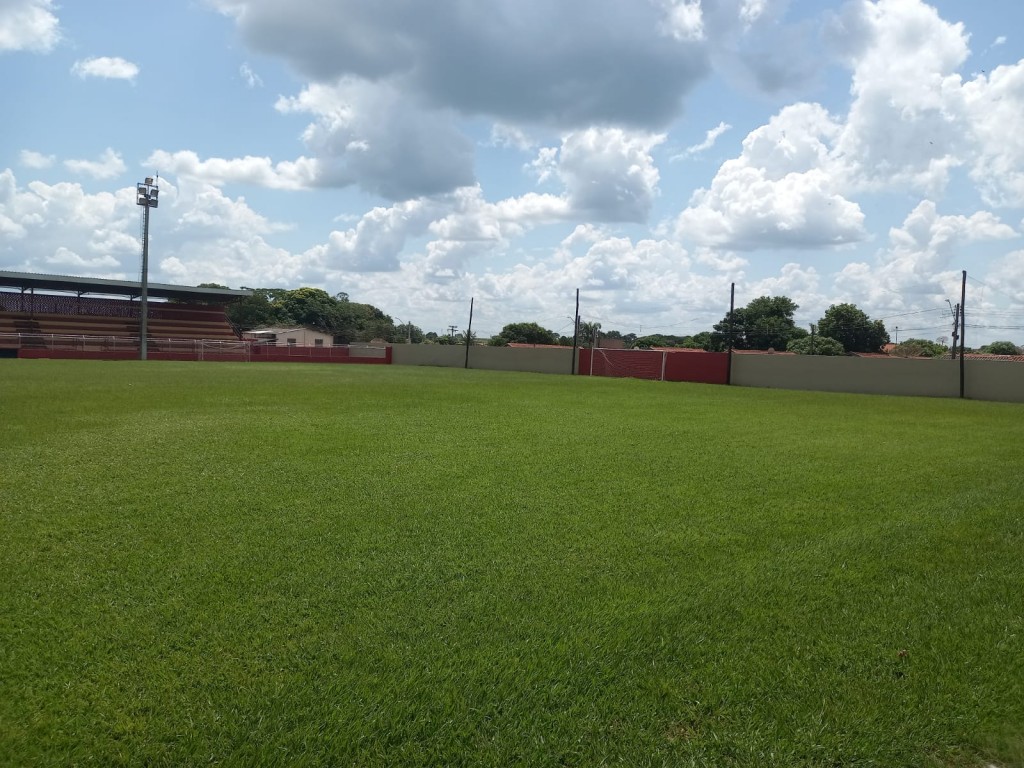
{"x": 50, "y": 316}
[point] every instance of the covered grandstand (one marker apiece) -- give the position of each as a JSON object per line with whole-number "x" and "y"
{"x": 65, "y": 316}
{"x": 59, "y": 316}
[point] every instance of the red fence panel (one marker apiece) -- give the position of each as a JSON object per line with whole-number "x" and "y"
{"x": 656, "y": 365}
{"x": 702, "y": 367}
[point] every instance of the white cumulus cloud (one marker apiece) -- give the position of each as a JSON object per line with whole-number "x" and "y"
{"x": 710, "y": 138}
{"x": 608, "y": 174}
{"x": 28, "y": 25}
{"x": 782, "y": 191}
{"x": 32, "y": 159}
{"x": 918, "y": 265}
{"x": 374, "y": 137}
{"x": 258, "y": 171}
{"x": 107, "y": 67}
{"x": 108, "y": 166}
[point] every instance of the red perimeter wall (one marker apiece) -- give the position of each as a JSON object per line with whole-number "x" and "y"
{"x": 314, "y": 356}
{"x": 700, "y": 367}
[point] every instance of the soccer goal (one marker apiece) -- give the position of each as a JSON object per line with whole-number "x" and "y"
{"x": 223, "y": 350}
{"x": 628, "y": 363}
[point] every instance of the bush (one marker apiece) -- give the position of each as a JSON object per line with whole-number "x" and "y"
{"x": 822, "y": 345}
{"x": 1001, "y": 348}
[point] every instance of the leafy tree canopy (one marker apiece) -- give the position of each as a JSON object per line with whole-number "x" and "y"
{"x": 765, "y": 323}
{"x": 919, "y": 348}
{"x": 523, "y": 333}
{"x": 587, "y": 333}
{"x": 344, "y": 319}
{"x": 656, "y": 340}
{"x": 1001, "y": 348}
{"x": 819, "y": 345}
{"x": 852, "y": 328}
{"x": 699, "y": 340}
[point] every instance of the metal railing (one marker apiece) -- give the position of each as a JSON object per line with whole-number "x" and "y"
{"x": 197, "y": 348}
{"x": 87, "y": 343}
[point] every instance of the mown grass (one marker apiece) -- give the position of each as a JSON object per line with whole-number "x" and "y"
{"x": 237, "y": 564}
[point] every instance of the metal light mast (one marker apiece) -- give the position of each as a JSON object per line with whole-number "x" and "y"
{"x": 146, "y": 195}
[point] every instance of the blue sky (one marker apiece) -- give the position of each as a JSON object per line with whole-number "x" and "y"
{"x": 648, "y": 152}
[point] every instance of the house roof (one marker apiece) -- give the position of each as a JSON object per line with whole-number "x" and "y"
{"x": 983, "y": 356}
{"x": 279, "y": 330}
{"x": 519, "y": 345}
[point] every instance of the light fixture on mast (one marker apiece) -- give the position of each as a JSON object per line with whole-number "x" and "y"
{"x": 147, "y": 194}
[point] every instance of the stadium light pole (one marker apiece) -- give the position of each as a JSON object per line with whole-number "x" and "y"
{"x": 147, "y": 195}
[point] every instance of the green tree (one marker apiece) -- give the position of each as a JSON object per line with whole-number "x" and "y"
{"x": 1001, "y": 348}
{"x": 256, "y": 311}
{"x": 405, "y": 332}
{"x": 655, "y": 340}
{"x": 346, "y": 320}
{"x": 852, "y": 328}
{"x": 822, "y": 345}
{"x": 587, "y": 334}
{"x": 523, "y": 333}
{"x": 310, "y": 306}
{"x": 765, "y": 323}
{"x": 919, "y": 348}
{"x": 699, "y": 340}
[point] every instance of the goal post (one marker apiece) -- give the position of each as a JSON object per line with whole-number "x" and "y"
{"x": 629, "y": 363}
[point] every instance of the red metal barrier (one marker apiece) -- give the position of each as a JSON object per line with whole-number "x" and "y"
{"x": 73, "y": 354}
{"x": 702, "y": 367}
{"x": 657, "y": 365}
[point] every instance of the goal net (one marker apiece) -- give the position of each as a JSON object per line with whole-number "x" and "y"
{"x": 222, "y": 350}
{"x": 628, "y": 364}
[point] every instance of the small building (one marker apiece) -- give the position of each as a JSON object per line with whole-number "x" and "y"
{"x": 302, "y": 336}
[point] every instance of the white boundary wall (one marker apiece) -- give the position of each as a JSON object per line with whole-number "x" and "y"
{"x": 984, "y": 379}
{"x": 994, "y": 380}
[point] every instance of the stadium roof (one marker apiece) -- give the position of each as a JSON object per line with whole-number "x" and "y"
{"x": 82, "y": 285}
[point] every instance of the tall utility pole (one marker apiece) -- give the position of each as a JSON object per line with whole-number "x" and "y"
{"x": 956, "y": 330}
{"x": 469, "y": 332}
{"x": 576, "y": 332}
{"x": 814, "y": 330}
{"x": 147, "y": 195}
{"x": 963, "y": 326}
{"x": 452, "y": 329}
{"x": 732, "y": 308}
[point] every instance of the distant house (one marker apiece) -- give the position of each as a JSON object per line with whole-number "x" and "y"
{"x": 302, "y": 336}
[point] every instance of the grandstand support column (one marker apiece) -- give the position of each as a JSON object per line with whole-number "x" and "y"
{"x": 147, "y": 195}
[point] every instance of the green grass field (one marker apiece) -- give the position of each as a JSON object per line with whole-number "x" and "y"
{"x": 231, "y": 564}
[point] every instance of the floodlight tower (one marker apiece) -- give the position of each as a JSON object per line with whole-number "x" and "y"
{"x": 146, "y": 195}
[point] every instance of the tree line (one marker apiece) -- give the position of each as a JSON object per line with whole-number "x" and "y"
{"x": 766, "y": 323}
